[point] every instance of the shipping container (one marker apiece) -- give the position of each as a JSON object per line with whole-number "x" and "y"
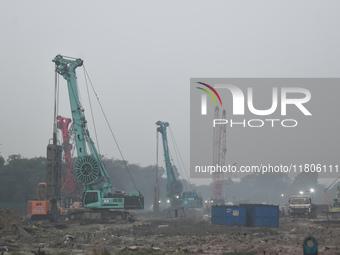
{"x": 260, "y": 215}
{"x": 229, "y": 215}
{"x": 250, "y": 215}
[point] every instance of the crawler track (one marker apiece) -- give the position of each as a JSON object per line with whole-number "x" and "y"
{"x": 101, "y": 216}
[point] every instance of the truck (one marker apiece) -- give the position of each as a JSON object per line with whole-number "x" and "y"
{"x": 178, "y": 198}
{"x": 301, "y": 206}
{"x": 101, "y": 203}
{"x": 334, "y": 208}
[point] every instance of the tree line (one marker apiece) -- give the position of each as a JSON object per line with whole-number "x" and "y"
{"x": 19, "y": 177}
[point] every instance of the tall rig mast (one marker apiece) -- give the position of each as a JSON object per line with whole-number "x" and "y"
{"x": 219, "y": 154}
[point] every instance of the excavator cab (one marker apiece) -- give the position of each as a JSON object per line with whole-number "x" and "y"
{"x": 118, "y": 200}
{"x": 91, "y": 197}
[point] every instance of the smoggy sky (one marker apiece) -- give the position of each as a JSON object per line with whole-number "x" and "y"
{"x": 140, "y": 56}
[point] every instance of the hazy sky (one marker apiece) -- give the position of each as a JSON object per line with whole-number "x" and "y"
{"x": 140, "y": 56}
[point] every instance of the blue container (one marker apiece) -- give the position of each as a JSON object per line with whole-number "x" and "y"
{"x": 229, "y": 215}
{"x": 217, "y": 215}
{"x": 235, "y": 216}
{"x": 259, "y": 215}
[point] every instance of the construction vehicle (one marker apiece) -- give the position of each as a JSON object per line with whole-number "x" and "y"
{"x": 334, "y": 208}
{"x": 39, "y": 208}
{"x": 333, "y": 212}
{"x": 70, "y": 185}
{"x": 301, "y": 206}
{"x": 71, "y": 188}
{"x": 326, "y": 197}
{"x": 178, "y": 198}
{"x": 100, "y": 203}
{"x": 219, "y": 154}
{"x": 48, "y": 194}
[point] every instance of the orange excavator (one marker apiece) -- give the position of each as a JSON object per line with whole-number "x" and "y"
{"x": 45, "y": 205}
{"x": 40, "y": 207}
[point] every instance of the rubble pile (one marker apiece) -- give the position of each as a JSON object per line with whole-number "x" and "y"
{"x": 10, "y": 222}
{"x": 164, "y": 236}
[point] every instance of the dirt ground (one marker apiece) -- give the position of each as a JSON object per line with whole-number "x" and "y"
{"x": 158, "y": 234}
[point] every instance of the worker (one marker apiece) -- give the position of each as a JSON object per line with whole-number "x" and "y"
{"x": 282, "y": 211}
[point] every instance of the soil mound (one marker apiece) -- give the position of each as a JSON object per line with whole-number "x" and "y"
{"x": 10, "y": 221}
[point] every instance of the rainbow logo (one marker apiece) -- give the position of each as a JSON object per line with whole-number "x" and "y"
{"x": 209, "y": 93}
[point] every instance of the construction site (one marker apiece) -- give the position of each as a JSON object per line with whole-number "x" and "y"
{"x": 77, "y": 209}
{"x": 169, "y": 127}
{"x": 157, "y": 234}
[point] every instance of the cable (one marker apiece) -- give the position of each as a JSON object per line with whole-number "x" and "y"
{"x": 174, "y": 166}
{"x": 157, "y": 155}
{"x": 156, "y": 187}
{"x": 180, "y": 156}
{"x": 120, "y": 152}
{"x": 93, "y": 122}
{"x": 56, "y": 100}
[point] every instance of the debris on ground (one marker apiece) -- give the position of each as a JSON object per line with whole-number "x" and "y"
{"x": 161, "y": 235}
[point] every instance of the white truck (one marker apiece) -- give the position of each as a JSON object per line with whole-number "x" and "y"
{"x": 301, "y": 206}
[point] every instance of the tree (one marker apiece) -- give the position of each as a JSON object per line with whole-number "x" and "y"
{"x": 2, "y": 161}
{"x": 20, "y": 176}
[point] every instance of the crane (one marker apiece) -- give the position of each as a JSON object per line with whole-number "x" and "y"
{"x": 187, "y": 199}
{"x": 219, "y": 152}
{"x": 89, "y": 168}
{"x": 70, "y": 183}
